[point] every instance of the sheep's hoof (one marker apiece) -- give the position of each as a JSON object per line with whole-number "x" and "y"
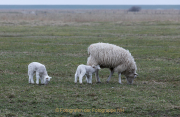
{"x": 120, "y": 83}
{"x": 99, "y": 82}
{"x": 107, "y": 81}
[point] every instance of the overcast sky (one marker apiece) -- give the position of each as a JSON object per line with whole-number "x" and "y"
{"x": 89, "y": 2}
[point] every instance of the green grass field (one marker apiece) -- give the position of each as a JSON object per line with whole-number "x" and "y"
{"x": 155, "y": 92}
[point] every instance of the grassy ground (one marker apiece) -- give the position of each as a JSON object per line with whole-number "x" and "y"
{"x": 154, "y": 45}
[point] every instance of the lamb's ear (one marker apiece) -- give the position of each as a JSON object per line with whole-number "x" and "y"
{"x": 50, "y": 77}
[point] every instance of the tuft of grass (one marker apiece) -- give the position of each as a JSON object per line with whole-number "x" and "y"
{"x": 11, "y": 96}
{"x": 10, "y": 115}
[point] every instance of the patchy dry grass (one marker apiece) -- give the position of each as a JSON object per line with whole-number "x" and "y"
{"x": 84, "y": 17}
{"x": 154, "y": 45}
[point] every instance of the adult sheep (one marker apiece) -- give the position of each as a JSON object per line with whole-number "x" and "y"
{"x": 116, "y": 58}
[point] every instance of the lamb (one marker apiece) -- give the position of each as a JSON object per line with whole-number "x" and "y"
{"x": 40, "y": 71}
{"x": 87, "y": 71}
{"x": 116, "y": 58}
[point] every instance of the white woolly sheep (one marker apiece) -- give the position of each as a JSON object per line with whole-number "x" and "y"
{"x": 116, "y": 58}
{"x": 40, "y": 71}
{"x": 87, "y": 71}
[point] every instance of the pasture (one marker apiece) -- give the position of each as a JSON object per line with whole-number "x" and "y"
{"x": 62, "y": 46}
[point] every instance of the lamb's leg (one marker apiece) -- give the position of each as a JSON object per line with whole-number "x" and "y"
{"x": 90, "y": 79}
{"x": 37, "y": 78}
{"x": 120, "y": 78}
{"x": 42, "y": 80}
{"x": 31, "y": 79}
{"x": 75, "y": 81}
{"x": 87, "y": 78}
{"x": 111, "y": 73}
{"x": 97, "y": 77}
{"x": 80, "y": 78}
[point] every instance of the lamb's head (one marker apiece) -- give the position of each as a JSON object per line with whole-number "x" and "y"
{"x": 97, "y": 67}
{"x": 130, "y": 76}
{"x": 47, "y": 79}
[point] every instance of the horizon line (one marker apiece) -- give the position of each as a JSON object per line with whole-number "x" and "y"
{"x": 90, "y": 4}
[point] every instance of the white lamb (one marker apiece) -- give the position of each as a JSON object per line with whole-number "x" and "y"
{"x": 115, "y": 58}
{"x": 87, "y": 71}
{"x": 40, "y": 71}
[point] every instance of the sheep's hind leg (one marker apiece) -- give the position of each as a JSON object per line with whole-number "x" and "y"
{"x": 120, "y": 78}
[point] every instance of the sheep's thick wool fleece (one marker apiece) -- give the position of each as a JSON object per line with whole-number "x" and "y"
{"x": 110, "y": 56}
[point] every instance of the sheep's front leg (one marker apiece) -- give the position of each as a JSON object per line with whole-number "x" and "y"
{"x": 120, "y": 78}
{"x": 97, "y": 77}
{"x": 111, "y": 73}
{"x": 37, "y": 78}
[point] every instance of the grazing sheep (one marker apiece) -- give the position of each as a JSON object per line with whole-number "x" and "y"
{"x": 87, "y": 71}
{"x": 40, "y": 71}
{"x": 113, "y": 57}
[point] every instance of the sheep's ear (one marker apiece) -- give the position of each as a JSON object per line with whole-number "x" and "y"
{"x": 135, "y": 75}
{"x": 50, "y": 77}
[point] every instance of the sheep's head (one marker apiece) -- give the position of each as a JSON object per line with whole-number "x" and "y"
{"x": 130, "y": 77}
{"x": 47, "y": 79}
